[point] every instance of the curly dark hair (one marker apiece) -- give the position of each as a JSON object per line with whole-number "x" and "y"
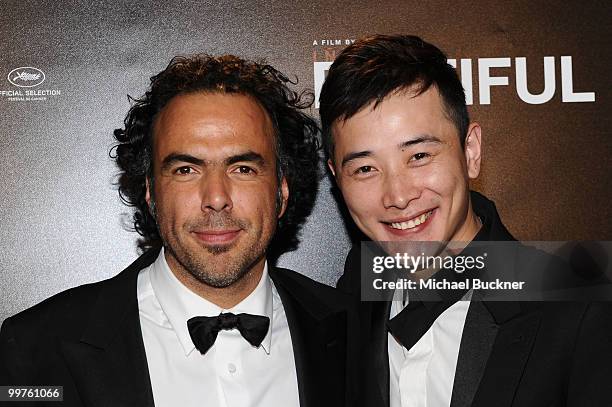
{"x": 297, "y": 146}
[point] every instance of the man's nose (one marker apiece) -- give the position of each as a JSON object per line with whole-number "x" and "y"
{"x": 399, "y": 189}
{"x": 216, "y": 193}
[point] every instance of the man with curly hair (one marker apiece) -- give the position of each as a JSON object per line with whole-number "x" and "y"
{"x": 217, "y": 159}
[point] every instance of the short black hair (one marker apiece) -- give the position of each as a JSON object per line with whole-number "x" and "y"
{"x": 374, "y": 67}
{"x": 297, "y": 145}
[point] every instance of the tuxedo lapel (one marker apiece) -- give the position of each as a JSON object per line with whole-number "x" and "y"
{"x": 318, "y": 336}
{"x": 373, "y": 316}
{"x": 379, "y": 351}
{"x": 479, "y": 334}
{"x": 509, "y": 354}
{"x": 109, "y": 364}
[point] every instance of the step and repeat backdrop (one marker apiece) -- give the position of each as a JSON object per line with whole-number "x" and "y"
{"x": 536, "y": 76}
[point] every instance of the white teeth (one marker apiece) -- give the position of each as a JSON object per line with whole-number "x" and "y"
{"x": 412, "y": 223}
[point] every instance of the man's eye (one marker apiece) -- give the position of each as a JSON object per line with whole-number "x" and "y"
{"x": 419, "y": 156}
{"x": 364, "y": 169}
{"x": 243, "y": 169}
{"x": 184, "y": 170}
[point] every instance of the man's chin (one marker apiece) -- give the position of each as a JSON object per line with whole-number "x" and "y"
{"x": 216, "y": 271}
{"x": 217, "y": 281}
{"x": 217, "y": 250}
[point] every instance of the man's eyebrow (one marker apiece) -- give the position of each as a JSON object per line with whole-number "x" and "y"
{"x": 366, "y": 153}
{"x": 353, "y": 156}
{"x": 425, "y": 138}
{"x": 174, "y": 158}
{"x": 249, "y": 156}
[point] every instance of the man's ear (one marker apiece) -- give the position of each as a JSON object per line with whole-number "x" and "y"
{"x": 330, "y": 165}
{"x": 284, "y": 191}
{"x": 150, "y": 202}
{"x": 148, "y": 193}
{"x": 473, "y": 150}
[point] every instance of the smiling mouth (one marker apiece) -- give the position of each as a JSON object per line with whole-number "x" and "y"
{"x": 411, "y": 223}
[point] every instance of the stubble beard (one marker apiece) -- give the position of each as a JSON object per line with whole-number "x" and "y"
{"x": 214, "y": 265}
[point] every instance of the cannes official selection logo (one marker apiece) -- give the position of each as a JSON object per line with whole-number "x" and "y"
{"x": 26, "y": 77}
{"x": 25, "y": 81}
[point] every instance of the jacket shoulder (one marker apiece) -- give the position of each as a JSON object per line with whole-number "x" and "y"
{"x": 65, "y": 312}
{"x": 29, "y": 339}
{"x": 308, "y": 290}
{"x": 68, "y": 305}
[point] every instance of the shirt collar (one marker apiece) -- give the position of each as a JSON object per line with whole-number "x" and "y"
{"x": 179, "y": 303}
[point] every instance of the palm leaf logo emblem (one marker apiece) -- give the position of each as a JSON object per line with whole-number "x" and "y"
{"x": 26, "y": 77}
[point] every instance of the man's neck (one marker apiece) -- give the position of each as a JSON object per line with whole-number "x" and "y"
{"x": 469, "y": 229}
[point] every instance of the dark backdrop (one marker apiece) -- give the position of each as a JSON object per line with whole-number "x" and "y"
{"x": 546, "y": 165}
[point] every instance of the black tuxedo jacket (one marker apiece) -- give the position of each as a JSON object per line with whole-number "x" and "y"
{"x": 88, "y": 339}
{"x": 511, "y": 354}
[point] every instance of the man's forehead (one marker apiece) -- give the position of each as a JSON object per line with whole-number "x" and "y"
{"x": 214, "y": 99}
{"x": 404, "y": 114}
{"x": 217, "y": 118}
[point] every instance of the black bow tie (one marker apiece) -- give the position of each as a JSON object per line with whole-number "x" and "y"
{"x": 418, "y": 316}
{"x": 415, "y": 320}
{"x": 204, "y": 330}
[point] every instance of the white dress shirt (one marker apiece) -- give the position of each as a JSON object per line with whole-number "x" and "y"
{"x": 423, "y": 376}
{"x": 232, "y": 373}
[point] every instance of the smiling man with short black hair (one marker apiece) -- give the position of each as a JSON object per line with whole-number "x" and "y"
{"x": 402, "y": 151}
